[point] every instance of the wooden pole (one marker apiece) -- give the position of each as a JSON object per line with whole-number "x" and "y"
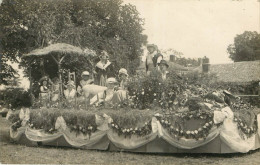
{"x": 30, "y": 79}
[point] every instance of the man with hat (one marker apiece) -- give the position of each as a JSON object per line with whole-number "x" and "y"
{"x": 163, "y": 69}
{"x": 153, "y": 58}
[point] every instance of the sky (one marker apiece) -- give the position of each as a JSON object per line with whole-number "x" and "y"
{"x": 198, "y": 28}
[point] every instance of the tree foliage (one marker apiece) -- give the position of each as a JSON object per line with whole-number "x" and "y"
{"x": 95, "y": 24}
{"x": 246, "y": 47}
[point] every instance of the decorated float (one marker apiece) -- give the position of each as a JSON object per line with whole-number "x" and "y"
{"x": 173, "y": 116}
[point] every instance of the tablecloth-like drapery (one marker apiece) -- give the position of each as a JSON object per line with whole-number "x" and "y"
{"x": 228, "y": 133}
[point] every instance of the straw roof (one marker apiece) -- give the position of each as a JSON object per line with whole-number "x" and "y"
{"x": 59, "y": 48}
{"x": 241, "y": 72}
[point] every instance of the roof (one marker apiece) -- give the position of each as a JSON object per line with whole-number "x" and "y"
{"x": 241, "y": 72}
{"x": 59, "y": 48}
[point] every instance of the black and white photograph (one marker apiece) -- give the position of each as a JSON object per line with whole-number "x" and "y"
{"x": 169, "y": 82}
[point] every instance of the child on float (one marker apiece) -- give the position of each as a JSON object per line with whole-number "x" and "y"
{"x": 108, "y": 94}
{"x": 123, "y": 77}
{"x": 44, "y": 91}
{"x": 86, "y": 80}
{"x": 70, "y": 92}
{"x": 55, "y": 90}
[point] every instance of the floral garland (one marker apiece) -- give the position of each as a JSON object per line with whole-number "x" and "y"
{"x": 244, "y": 128}
{"x": 128, "y": 132}
{"x": 178, "y": 132}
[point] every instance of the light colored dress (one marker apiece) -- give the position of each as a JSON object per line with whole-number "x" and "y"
{"x": 70, "y": 95}
{"x": 55, "y": 92}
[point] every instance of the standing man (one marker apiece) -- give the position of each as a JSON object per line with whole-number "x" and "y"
{"x": 153, "y": 58}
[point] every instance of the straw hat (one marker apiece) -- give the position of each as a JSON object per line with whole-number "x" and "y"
{"x": 123, "y": 71}
{"x": 85, "y": 73}
{"x": 111, "y": 80}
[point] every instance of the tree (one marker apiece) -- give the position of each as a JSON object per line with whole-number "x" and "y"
{"x": 99, "y": 25}
{"x": 246, "y": 47}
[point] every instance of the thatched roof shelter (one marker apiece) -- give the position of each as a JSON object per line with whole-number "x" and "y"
{"x": 59, "y": 48}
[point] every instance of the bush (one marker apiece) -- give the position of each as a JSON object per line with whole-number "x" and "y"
{"x": 15, "y": 98}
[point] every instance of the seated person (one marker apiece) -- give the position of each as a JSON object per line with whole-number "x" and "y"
{"x": 55, "y": 91}
{"x": 111, "y": 95}
{"x": 70, "y": 92}
{"x": 123, "y": 78}
{"x": 85, "y": 81}
{"x": 44, "y": 91}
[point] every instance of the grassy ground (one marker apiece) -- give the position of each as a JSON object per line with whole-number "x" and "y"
{"x": 11, "y": 153}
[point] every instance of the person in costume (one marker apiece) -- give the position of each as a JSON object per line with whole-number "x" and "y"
{"x": 108, "y": 94}
{"x": 44, "y": 91}
{"x": 70, "y": 92}
{"x": 164, "y": 69}
{"x": 55, "y": 90}
{"x": 123, "y": 77}
{"x": 153, "y": 58}
{"x": 86, "y": 80}
{"x": 103, "y": 69}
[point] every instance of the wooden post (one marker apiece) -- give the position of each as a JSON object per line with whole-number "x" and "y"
{"x": 30, "y": 79}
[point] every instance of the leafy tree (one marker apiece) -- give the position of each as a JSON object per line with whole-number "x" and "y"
{"x": 246, "y": 47}
{"x": 96, "y": 24}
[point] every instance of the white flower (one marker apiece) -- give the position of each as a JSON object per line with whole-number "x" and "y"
{"x": 131, "y": 129}
{"x": 112, "y": 125}
{"x": 207, "y": 124}
{"x": 177, "y": 130}
{"x": 142, "y": 93}
{"x": 171, "y": 127}
{"x": 159, "y": 83}
{"x": 127, "y": 130}
{"x": 166, "y": 122}
{"x": 192, "y": 132}
{"x": 242, "y": 124}
{"x": 210, "y": 122}
{"x": 200, "y": 129}
{"x": 136, "y": 128}
{"x": 145, "y": 123}
{"x": 196, "y": 132}
{"x": 123, "y": 130}
{"x": 116, "y": 126}
{"x": 162, "y": 121}
{"x": 188, "y": 132}
{"x": 181, "y": 131}
{"x": 154, "y": 94}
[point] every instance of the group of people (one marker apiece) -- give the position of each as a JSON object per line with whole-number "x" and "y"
{"x": 104, "y": 87}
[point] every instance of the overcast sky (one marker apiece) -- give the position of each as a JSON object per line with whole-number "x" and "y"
{"x": 197, "y": 27}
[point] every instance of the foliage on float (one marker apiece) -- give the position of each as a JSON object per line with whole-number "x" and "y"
{"x": 133, "y": 122}
{"x": 174, "y": 124}
{"x": 246, "y": 123}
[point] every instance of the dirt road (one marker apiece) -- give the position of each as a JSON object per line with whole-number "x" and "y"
{"x": 13, "y": 153}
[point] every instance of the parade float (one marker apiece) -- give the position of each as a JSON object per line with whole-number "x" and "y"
{"x": 179, "y": 115}
{"x": 189, "y": 120}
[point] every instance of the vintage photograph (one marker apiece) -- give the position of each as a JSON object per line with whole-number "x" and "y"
{"x": 130, "y": 82}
